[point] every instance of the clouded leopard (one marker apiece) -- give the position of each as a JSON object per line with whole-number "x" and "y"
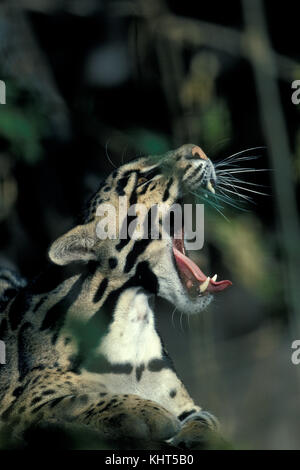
{"x": 81, "y": 342}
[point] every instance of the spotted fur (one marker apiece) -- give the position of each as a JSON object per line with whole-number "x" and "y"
{"x": 81, "y": 340}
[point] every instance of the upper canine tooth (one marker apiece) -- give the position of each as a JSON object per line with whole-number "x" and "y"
{"x": 204, "y": 285}
{"x": 210, "y": 187}
{"x": 214, "y": 278}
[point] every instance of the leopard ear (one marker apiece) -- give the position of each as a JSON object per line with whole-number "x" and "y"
{"x": 75, "y": 245}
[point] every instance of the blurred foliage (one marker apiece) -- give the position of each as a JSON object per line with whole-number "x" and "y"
{"x": 23, "y": 123}
{"x": 244, "y": 248}
{"x": 183, "y": 91}
{"x": 149, "y": 142}
{"x": 215, "y": 124}
{"x": 297, "y": 156}
{"x": 8, "y": 186}
{"x": 210, "y": 119}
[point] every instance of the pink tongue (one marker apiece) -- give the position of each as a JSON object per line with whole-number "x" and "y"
{"x": 188, "y": 266}
{"x": 191, "y": 270}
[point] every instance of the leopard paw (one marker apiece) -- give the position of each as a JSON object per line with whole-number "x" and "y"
{"x": 139, "y": 419}
{"x": 199, "y": 431}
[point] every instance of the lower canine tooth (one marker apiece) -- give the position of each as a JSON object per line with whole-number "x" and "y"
{"x": 204, "y": 285}
{"x": 214, "y": 278}
{"x": 210, "y": 187}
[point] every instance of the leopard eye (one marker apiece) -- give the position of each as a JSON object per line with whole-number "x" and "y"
{"x": 141, "y": 180}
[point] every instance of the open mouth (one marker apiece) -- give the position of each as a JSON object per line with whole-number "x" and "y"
{"x": 195, "y": 281}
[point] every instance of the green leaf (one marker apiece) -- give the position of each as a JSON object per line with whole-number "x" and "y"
{"x": 23, "y": 132}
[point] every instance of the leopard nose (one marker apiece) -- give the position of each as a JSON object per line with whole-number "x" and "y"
{"x": 198, "y": 152}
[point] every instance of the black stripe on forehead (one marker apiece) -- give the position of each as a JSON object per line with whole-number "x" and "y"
{"x": 199, "y": 178}
{"x": 198, "y": 170}
{"x": 149, "y": 174}
{"x": 124, "y": 180}
{"x": 167, "y": 190}
{"x": 124, "y": 177}
{"x": 145, "y": 187}
{"x": 128, "y": 173}
{"x": 121, "y": 185}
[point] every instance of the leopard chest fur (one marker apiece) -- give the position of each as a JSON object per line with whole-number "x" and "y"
{"x": 134, "y": 351}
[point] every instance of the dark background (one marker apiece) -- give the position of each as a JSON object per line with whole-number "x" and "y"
{"x": 91, "y": 84}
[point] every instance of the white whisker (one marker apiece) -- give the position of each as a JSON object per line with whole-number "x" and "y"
{"x": 240, "y": 153}
{"x": 236, "y": 193}
{"x": 173, "y": 316}
{"x": 221, "y": 213}
{"x": 231, "y": 184}
{"x": 251, "y": 190}
{"x": 181, "y": 321}
{"x": 242, "y": 170}
{"x": 108, "y": 157}
{"x": 233, "y": 162}
{"x": 230, "y": 179}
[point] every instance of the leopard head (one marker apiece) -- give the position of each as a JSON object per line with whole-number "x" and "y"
{"x": 127, "y": 203}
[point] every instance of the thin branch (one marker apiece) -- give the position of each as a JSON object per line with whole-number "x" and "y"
{"x": 263, "y": 62}
{"x": 199, "y": 33}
